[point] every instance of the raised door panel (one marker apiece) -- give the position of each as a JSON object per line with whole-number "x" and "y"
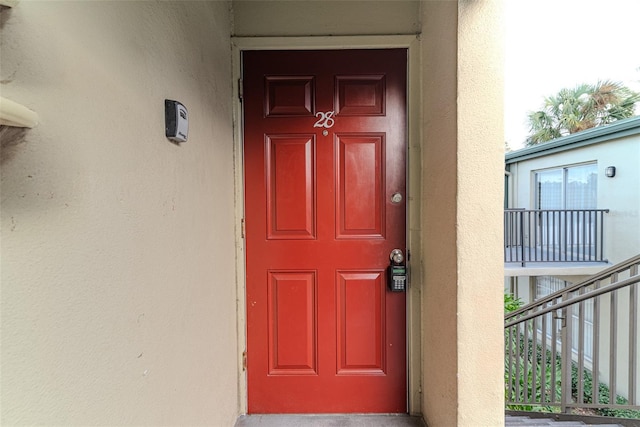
{"x": 360, "y": 95}
{"x": 291, "y": 183}
{"x": 361, "y": 323}
{"x": 360, "y": 186}
{"x": 289, "y": 96}
{"x": 292, "y": 311}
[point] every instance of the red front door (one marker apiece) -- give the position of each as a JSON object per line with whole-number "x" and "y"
{"x": 325, "y": 169}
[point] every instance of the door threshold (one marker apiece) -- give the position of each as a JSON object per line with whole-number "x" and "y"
{"x": 333, "y": 420}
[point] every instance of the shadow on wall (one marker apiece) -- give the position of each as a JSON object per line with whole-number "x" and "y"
{"x": 10, "y": 138}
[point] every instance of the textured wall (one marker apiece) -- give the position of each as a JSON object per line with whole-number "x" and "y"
{"x": 118, "y": 295}
{"x": 462, "y": 204}
{"x": 439, "y": 184}
{"x": 479, "y": 217}
{"x": 321, "y": 17}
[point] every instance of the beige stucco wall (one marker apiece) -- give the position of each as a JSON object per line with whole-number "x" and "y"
{"x": 479, "y": 215}
{"x": 462, "y": 200}
{"x": 118, "y": 292}
{"x": 322, "y": 17}
{"x": 439, "y": 174}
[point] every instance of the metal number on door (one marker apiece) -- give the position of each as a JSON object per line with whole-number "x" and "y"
{"x": 326, "y": 119}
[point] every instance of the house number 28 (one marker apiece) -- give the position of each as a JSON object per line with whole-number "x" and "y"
{"x": 325, "y": 119}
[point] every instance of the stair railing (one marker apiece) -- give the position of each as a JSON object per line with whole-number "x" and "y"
{"x": 578, "y": 347}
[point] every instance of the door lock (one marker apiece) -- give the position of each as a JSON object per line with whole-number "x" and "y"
{"x": 397, "y": 272}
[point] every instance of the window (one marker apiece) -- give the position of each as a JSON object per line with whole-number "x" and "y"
{"x": 567, "y": 228}
{"x": 571, "y": 187}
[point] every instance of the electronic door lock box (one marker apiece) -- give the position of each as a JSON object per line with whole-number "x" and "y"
{"x": 176, "y": 121}
{"x": 397, "y": 272}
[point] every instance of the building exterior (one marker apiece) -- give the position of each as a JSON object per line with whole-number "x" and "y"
{"x": 571, "y": 173}
{"x": 593, "y": 170}
{"x": 123, "y": 264}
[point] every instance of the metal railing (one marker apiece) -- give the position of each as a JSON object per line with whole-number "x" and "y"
{"x": 550, "y": 359}
{"x": 554, "y": 235}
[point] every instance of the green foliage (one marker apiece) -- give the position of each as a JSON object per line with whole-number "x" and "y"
{"x": 583, "y": 107}
{"x": 524, "y": 389}
{"x": 511, "y": 303}
{"x": 604, "y": 395}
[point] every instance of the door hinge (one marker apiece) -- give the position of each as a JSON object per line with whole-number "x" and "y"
{"x": 244, "y": 360}
{"x": 240, "y": 90}
{"x": 242, "y": 228}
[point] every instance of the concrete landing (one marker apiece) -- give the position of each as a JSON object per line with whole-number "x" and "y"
{"x": 350, "y": 420}
{"x": 524, "y": 421}
{"x": 400, "y": 420}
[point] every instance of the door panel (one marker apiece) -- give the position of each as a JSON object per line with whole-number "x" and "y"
{"x": 360, "y": 185}
{"x": 292, "y": 323}
{"x": 291, "y": 186}
{"x": 361, "y": 323}
{"x": 324, "y": 152}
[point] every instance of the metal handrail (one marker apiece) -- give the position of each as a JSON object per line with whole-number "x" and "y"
{"x": 554, "y": 235}
{"x": 550, "y": 359}
{"x": 608, "y": 272}
{"x": 576, "y": 300}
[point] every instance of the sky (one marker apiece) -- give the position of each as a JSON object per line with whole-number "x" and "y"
{"x": 555, "y": 44}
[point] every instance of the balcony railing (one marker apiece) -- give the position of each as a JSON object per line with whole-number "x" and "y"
{"x": 578, "y": 347}
{"x": 554, "y": 235}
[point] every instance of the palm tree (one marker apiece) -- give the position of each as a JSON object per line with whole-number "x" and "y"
{"x": 580, "y": 108}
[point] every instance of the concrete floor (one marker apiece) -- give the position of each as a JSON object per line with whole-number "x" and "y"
{"x": 329, "y": 421}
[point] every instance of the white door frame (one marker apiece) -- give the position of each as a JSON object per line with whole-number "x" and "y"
{"x": 414, "y": 102}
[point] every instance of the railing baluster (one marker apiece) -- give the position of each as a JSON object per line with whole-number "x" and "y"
{"x": 565, "y": 352}
{"x": 591, "y": 236}
{"x": 550, "y": 227}
{"x": 595, "y": 358}
{"x": 585, "y": 237}
{"x": 518, "y": 370}
{"x": 613, "y": 340}
{"x": 554, "y": 356}
{"x": 581, "y": 352}
{"x": 534, "y": 358}
{"x": 562, "y": 236}
{"x": 525, "y": 367}
{"x": 543, "y": 365}
{"x": 522, "y": 237}
{"x": 536, "y": 227}
{"x": 571, "y": 239}
{"x": 633, "y": 337}
{"x": 510, "y": 378}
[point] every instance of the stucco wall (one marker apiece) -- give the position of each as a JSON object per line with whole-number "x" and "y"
{"x": 439, "y": 174}
{"x": 462, "y": 199}
{"x": 118, "y": 292}
{"x": 479, "y": 216}
{"x": 321, "y": 17}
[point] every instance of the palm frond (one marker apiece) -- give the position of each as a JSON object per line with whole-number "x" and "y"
{"x": 579, "y": 108}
